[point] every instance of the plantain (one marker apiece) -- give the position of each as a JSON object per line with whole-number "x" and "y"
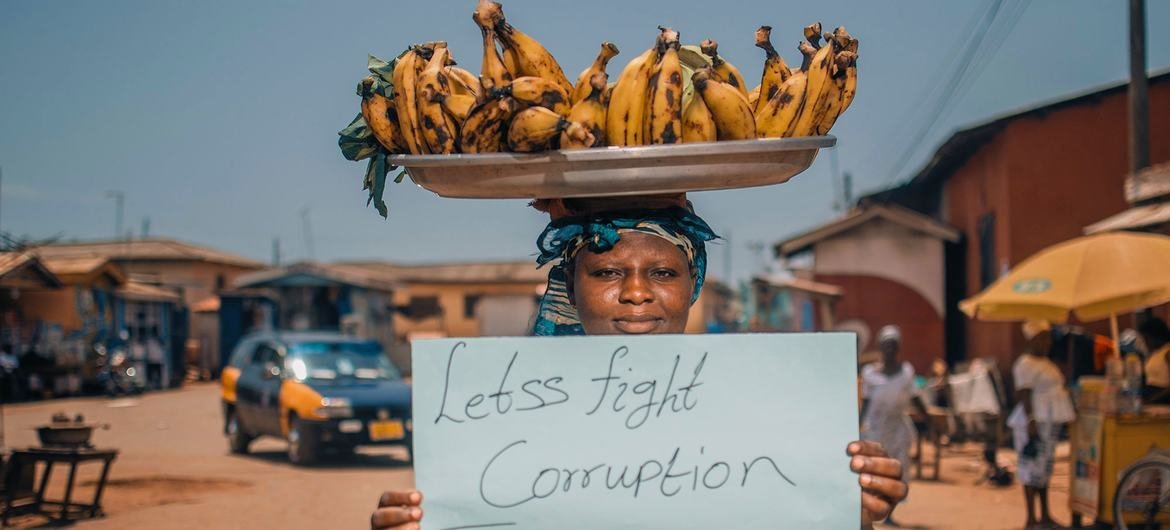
{"x": 841, "y": 90}
{"x": 663, "y": 118}
{"x": 577, "y": 136}
{"x": 529, "y": 56}
{"x": 486, "y": 126}
{"x": 729, "y": 109}
{"x": 535, "y": 129}
{"x": 726, "y": 71}
{"x": 405, "y": 77}
{"x": 627, "y": 101}
{"x": 457, "y": 106}
{"x": 438, "y": 129}
{"x": 754, "y": 97}
{"x": 813, "y": 106}
{"x": 583, "y": 87}
{"x": 776, "y": 71}
{"x": 531, "y": 90}
{"x": 463, "y": 82}
{"x": 697, "y": 123}
{"x": 381, "y": 117}
{"x": 589, "y": 114}
{"x": 493, "y": 74}
{"x": 778, "y": 115}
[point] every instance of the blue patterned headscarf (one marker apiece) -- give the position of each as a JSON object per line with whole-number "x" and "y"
{"x": 563, "y": 239}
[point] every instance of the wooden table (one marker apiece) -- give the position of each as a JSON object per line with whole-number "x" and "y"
{"x": 50, "y": 456}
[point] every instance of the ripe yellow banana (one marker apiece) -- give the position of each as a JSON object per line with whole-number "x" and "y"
{"x": 627, "y": 101}
{"x": 405, "y": 77}
{"x": 754, "y": 97}
{"x": 493, "y": 73}
{"x": 458, "y": 106}
{"x": 729, "y": 109}
{"x": 439, "y": 131}
{"x": 577, "y": 136}
{"x": 486, "y": 127}
{"x": 382, "y": 118}
{"x": 776, "y": 71}
{"x": 850, "y": 89}
{"x": 779, "y": 114}
{"x": 816, "y": 87}
{"x": 727, "y": 72}
{"x": 589, "y": 114}
{"x": 531, "y": 90}
{"x": 535, "y": 129}
{"x": 663, "y": 118}
{"x": 463, "y": 82}
{"x": 697, "y": 123}
{"x": 529, "y": 56}
{"x": 582, "y": 89}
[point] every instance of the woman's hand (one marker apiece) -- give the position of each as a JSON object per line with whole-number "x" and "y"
{"x": 397, "y": 510}
{"x": 881, "y": 480}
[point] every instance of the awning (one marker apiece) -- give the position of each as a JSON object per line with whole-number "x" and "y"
{"x": 1135, "y": 218}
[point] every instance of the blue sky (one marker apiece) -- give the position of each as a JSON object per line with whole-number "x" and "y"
{"x": 218, "y": 119}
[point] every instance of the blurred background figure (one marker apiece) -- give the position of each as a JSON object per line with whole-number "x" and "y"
{"x": 1042, "y": 407}
{"x": 1156, "y": 335}
{"x": 888, "y": 393}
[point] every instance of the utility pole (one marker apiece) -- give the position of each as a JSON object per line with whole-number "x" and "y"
{"x": 119, "y": 199}
{"x": 1139, "y": 125}
{"x": 276, "y": 252}
{"x": 145, "y": 228}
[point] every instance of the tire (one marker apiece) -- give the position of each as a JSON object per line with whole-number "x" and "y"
{"x": 1151, "y": 508}
{"x": 302, "y": 447}
{"x": 238, "y": 437}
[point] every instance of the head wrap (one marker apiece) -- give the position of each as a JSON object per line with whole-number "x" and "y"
{"x": 890, "y": 332}
{"x": 564, "y": 238}
{"x": 1031, "y": 328}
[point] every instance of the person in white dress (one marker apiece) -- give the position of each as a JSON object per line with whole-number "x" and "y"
{"x": 888, "y": 393}
{"x": 1042, "y": 407}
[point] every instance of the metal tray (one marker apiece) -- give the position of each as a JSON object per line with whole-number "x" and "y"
{"x": 613, "y": 171}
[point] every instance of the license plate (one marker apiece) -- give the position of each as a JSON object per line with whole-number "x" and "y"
{"x": 386, "y": 430}
{"x": 350, "y": 426}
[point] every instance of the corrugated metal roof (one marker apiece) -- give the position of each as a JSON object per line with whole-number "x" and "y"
{"x": 74, "y": 265}
{"x": 307, "y": 272}
{"x": 861, "y": 215}
{"x": 12, "y": 263}
{"x": 481, "y": 272}
{"x": 141, "y": 292}
{"x": 146, "y": 249}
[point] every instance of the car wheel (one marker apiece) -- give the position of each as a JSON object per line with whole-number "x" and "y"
{"x": 302, "y": 448}
{"x": 238, "y": 438}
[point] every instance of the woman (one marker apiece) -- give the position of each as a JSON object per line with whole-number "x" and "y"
{"x": 635, "y": 272}
{"x": 1042, "y": 406}
{"x": 888, "y": 392}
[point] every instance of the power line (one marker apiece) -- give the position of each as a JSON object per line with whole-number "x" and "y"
{"x": 950, "y": 89}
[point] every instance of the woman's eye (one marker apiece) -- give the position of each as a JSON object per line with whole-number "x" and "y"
{"x": 664, "y": 273}
{"x": 605, "y": 273}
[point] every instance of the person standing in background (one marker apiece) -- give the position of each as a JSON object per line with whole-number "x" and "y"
{"x": 1157, "y": 369}
{"x": 888, "y": 393}
{"x": 1042, "y": 407}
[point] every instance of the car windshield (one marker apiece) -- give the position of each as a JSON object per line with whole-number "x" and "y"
{"x": 336, "y": 360}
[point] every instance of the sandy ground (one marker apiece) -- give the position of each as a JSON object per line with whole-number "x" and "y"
{"x": 174, "y": 472}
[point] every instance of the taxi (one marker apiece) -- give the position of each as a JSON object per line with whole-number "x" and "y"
{"x": 317, "y": 391}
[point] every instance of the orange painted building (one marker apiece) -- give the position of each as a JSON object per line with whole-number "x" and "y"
{"x": 1021, "y": 182}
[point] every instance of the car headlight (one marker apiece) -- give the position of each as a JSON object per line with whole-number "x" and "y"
{"x": 334, "y": 408}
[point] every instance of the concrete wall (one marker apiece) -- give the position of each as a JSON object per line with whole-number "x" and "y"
{"x": 454, "y": 321}
{"x": 878, "y": 301}
{"x": 1046, "y": 177}
{"x": 197, "y": 279}
{"x": 886, "y": 250}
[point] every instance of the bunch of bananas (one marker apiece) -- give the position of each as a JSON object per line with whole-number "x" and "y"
{"x": 422, "y": 103}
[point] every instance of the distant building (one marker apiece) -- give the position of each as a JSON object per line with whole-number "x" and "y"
{"x": 886, "y": 265}
{"x": 1018, "y": 183}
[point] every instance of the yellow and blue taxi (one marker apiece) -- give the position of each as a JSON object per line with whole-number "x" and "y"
{"x": 316, "y": 390}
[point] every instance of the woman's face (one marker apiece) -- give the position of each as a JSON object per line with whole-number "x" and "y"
{"x": 642, "y": 285}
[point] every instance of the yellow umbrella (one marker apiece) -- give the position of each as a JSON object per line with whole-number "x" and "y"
{"x": 1093, "y": 277}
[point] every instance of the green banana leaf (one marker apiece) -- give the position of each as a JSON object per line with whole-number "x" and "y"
{"x": 357, "y": 142}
